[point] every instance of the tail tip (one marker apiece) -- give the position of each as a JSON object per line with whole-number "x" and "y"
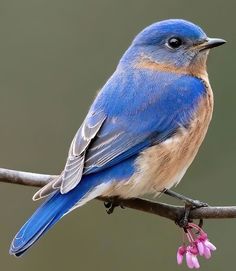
{"x": 14, "y": 252}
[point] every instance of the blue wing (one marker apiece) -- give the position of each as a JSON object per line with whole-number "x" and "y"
{"x": 120, "y": 125}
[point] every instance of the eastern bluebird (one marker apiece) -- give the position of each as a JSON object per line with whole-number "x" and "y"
{"x": 142, "y": 131}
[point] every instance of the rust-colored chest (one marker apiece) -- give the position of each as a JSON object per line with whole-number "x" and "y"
{"x": 163, "y": 165}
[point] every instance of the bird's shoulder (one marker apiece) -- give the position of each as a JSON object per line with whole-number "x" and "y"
{"x": 131, "y": 90}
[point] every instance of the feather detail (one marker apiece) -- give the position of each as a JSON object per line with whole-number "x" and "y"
{"x": 74, "y": 167}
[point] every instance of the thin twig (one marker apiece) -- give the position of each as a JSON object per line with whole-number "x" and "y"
{"x": 165, "y": 210}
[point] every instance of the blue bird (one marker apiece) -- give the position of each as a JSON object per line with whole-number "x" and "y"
{"x": 142, "y": 131}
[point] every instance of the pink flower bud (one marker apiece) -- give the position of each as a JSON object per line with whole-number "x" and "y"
{"x": 180, "y": 254}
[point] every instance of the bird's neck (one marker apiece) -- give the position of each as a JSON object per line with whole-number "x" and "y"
{"x": 197, "y": 69}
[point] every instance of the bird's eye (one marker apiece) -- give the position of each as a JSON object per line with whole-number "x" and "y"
{"x": 174, "y": 43}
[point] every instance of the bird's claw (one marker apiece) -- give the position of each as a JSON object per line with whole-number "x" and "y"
{"x": 184, "y": 220}
{"x": 196, "y": 203}
{"x": 111, "y": 204}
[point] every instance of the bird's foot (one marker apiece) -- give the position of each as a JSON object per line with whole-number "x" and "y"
{"x": 188, "y": 201}
{"x": 194, "y": 203}
{"x": 190, "y": 204}
{"x": 183, "y": 221}
{"x": 112, "y": 203}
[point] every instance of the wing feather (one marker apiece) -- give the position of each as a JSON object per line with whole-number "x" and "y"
{"x": 74, "y": 167}
{"x": 120, "y": 125}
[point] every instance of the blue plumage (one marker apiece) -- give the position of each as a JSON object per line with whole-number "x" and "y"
{"x": 170, "y": 99}
{"x": 154, "y": 92}
{"x": 58, "y": 204}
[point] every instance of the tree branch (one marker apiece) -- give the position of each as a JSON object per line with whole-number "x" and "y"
{"x": 165, "y": 210}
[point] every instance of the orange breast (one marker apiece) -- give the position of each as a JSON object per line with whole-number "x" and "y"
{"x": 164, "y": 165}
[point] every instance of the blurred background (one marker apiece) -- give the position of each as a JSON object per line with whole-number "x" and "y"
{"x": 54, "y": 56}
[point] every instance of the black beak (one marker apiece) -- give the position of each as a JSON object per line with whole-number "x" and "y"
{"x": 211, "y": 43}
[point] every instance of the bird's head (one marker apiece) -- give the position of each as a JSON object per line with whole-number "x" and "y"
{"x": 175, "y": 44}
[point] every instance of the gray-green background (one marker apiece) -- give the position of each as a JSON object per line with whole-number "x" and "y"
{"x": 54, "y": 55}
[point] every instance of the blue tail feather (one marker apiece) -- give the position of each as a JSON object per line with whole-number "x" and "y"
{"x": 45, "y": 217}
{"x": 59, "y": 204}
